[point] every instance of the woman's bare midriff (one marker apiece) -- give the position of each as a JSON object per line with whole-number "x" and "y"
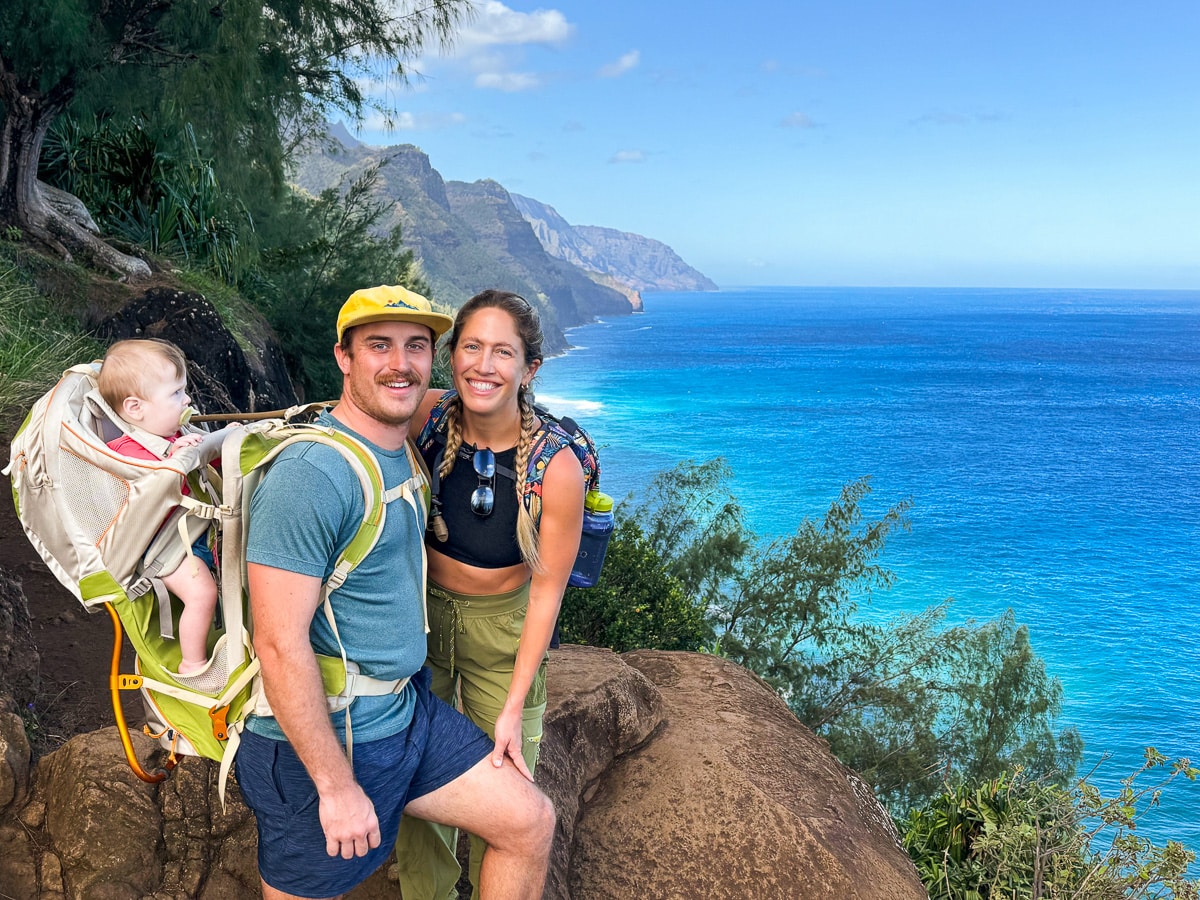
{"x": 458, "y": 576}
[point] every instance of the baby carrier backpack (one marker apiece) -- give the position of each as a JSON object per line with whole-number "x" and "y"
{"x": 96, "y": 517}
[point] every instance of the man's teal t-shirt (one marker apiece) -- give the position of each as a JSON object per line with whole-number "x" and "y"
{"x": 306, "y": 510}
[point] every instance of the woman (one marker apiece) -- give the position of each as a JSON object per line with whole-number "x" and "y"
{"x": 496, "y": 573}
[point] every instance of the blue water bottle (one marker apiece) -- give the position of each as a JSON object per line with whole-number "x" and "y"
{"x": 593, "y": 542}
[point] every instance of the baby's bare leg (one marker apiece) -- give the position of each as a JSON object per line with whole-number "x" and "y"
{"x": 193, "y": 584}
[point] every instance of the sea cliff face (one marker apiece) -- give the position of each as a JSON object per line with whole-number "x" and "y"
{"x": 472, "y": 236}
{"x": 641, "y": 263}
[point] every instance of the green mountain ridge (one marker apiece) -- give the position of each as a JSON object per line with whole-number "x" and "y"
{"x": 473, "y": 236}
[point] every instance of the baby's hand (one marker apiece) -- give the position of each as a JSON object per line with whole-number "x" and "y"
{"x": 185, "y": 440}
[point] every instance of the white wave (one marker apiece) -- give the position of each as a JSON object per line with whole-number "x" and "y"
{"x": 562, "y": 406}
{"x": 584, "y": 325}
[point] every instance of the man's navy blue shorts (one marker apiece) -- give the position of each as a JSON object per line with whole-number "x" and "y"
{"x": 439, "y": 745}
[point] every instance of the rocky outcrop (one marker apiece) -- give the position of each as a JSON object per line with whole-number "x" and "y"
{"x": 674, "y": 775}
{"x": 732, "y": 798}
{"x": 598, "y": 709}
{"x": 18, "y": 653}
{"x": 92, "y": 829}
{"x": 223, "y": 374}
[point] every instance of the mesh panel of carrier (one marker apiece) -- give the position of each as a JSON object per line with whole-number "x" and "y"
{"x": 97, "y": 497}
{"x": 213, "y": 679}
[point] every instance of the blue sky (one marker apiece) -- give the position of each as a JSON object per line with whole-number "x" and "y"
{"x": 1047, "y": 144}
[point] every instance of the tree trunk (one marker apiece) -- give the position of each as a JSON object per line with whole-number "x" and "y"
{"x": 70, "y": 206}
{"x": 28, "y": 117}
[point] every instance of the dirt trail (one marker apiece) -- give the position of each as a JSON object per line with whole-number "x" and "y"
{"x": 75, "y": 647}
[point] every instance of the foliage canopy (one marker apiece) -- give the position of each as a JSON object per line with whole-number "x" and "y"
{"x": 251, "y": 78}
{"x": 907, "y": 700}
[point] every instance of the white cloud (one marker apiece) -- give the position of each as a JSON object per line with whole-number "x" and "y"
{"x": 402, "y": 121}
{"x": 493, "y": 44}
{"x": 797, "y": 120}
{"x": 621, "y": 66}
{"x": 509, "y": 82}
{"x": 378, "y": 124}
{"x": 496, "y": 24}
{"x": 628, "y": 156}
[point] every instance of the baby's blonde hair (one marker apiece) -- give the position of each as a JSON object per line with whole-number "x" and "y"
{"x": 125, "y": 371}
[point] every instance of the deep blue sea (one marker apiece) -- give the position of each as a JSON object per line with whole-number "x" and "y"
{"x": 1047, "y": 438}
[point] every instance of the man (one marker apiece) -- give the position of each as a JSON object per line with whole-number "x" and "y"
{"x": 324, "y": 823}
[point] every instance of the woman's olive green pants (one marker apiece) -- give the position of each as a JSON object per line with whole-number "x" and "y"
{"x": 472, "y": 649}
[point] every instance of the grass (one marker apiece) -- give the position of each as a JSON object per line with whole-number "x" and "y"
{"x": 36, "y": 345}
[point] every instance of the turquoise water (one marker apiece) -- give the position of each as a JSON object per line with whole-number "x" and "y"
{"x": 1048, "y": 441}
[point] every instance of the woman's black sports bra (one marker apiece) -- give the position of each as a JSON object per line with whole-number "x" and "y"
{"x": 487, "y": 542}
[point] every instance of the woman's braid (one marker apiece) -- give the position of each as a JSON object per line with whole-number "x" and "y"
{"x": 527, "y": 535}
{"x": 454, "y": 436}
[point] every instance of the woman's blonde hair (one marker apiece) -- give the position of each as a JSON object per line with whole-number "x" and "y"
{"x": 125, "y": 371}
{"x": 529, "y": 329}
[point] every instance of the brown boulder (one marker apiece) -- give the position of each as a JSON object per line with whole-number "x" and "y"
{"x": 732, "y": 798}
{"x": 110, "y": 835}
{"x": 598, "y": 709}
{"x": 103, "y": 824}
{"x": 15, "y": 757}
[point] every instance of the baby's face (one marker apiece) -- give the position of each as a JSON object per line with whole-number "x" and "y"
{"x": 164, "y": 407}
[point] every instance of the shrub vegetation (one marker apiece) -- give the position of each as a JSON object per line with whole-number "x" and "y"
{"x": 955, "y": 726}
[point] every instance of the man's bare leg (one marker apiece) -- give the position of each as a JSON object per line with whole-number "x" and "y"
{"x": 515, "y": 819}
{"x": 269, "y": 893}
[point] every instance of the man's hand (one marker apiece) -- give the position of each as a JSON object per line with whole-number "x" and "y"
{"x": 351, "y": 826}
{"x": 282, "y": 604}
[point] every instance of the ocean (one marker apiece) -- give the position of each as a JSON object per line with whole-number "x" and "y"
{"x": 1047, "y": 439}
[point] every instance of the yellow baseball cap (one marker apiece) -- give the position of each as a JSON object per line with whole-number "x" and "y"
{"x": 390, "y": 302}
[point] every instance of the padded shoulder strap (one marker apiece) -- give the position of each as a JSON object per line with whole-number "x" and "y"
{"x": 554, "y": 435}
{"x": 551, "y": 438}
{"x": 434, "y": 429}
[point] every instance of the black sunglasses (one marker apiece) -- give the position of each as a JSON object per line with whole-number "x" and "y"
{"x": 484, "y": 497}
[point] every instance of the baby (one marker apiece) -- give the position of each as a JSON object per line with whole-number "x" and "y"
{"x": 145, "y": 383}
